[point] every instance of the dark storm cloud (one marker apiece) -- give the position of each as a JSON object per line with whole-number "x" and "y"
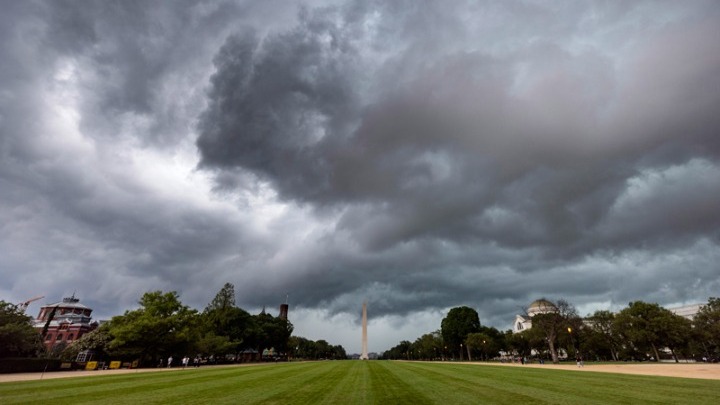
{"x": 418, "y": 155}
{"x": 587, "y": 132}
{"x": 97, "y": 100}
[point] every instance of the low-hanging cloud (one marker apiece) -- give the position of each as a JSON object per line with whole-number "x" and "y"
{"x": 416, "y": 155}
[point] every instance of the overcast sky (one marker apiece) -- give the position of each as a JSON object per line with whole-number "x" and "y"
{"x": 419, "y": 155}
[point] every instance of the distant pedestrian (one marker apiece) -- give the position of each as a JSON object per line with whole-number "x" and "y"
{"x": 170, "y": 361}
{"x": 579, "y": 361}
{"x": 196, "y": 361}
{"x": 185, "y": 361}
{"x": 161, "y": 363}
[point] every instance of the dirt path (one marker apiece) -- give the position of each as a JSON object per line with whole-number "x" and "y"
{"x": 684, "y": 370}
{"x": 692, "y": 370}
{"x": 82, "y": 373}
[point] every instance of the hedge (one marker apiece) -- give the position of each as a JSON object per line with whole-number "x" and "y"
{"x": 28, "y": 365}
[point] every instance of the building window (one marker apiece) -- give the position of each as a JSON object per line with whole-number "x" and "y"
{"x": 49, "y": 336}
{"x": 71, "y": 337}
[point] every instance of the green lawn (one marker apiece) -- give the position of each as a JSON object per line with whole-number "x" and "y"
{"x": 364, "y": 382}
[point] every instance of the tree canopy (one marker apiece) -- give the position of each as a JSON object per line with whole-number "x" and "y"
{"x": 707, "y": 327}
{"x": 17, "y": 335}
{"x": 459, "y": 322}
{"x": 161, "y": 326}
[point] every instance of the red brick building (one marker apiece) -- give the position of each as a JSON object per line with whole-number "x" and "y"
{"x": 69, "y": 320}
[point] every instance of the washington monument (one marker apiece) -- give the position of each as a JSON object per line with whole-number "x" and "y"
{"x": 364, "y": 355}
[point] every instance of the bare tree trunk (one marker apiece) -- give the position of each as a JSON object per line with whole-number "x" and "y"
{"x": 553, "y": 352}
{"x": 657, "y": 355}
{"x": 468, "y": 350}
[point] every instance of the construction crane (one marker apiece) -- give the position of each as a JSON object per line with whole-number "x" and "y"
{"x": 24, "y": 305}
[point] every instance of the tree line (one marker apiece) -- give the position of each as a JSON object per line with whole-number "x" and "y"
{"x": 641, "y": 331}
{"x": 163, "y": 327}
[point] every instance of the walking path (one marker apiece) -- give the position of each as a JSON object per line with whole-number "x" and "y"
{"x": 82, "y": 373}
{"x": 684, "y": 370}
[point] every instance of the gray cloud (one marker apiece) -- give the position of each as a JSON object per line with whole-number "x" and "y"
{"x": 416, "y": 155}
{"x": 535, "y": 144}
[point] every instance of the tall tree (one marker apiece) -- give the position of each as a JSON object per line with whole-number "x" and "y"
{"x": 552, "y": 324}
{"x": 604, "y": 336}
{"x": 481, "y": 345}
{"x": 224, "y": 299}
{"x": 17, "y": 336}
{"x": 162, "y": 326}
{"x": 97, "y": 340}
{"x": 707, "y": 327}
{"x": 459, "y": 322}
{"x": 226, "y": 327}
{"x": 428, "y": 346}
{"x": 649, "y": 327}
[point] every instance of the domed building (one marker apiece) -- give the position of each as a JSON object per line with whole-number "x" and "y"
{"x": 541, "y": 306}
{"x": 66, "y": 321}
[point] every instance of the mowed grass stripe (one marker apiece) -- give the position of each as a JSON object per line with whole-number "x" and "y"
{"x": 364, "y": 382}
{"x": 352, "y": 388}
{"x": 148, "y": 388}
{"x": 562, "y": 386}
{"x": 452, "y": 385}
{"x": 504, "y": 385}
{"x": 389, "y": 388}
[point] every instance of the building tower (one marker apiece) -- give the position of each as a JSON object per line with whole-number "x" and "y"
{"x": 64, "y": 322}
{"x": 284, "y": 308}
{"x": 364, "y": 355}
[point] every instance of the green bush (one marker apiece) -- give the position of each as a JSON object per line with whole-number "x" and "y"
{"x": 28, "y": 365}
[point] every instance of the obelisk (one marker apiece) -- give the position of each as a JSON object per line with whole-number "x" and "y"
{"x": 364, "y": 355}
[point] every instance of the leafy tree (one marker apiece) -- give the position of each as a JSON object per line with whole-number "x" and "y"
{"x": 675, "y": 332}
{"x": 459, "y": 322}
{"x": 224, "y": 299}
{"x": 401, "y": 351}
{"x": 303, "y": 348}
{"x": 215, "y": 345}
{"x": 17, "y": 336}
{"x": 481, "y": 345}
{"x": 339, "y": 352}
{"x": 603, "y": 337}
{"x": 649, "y": 327}
{"x": 707, "y": 327}
{"x": 428, "y": 346}
{"x": 553, "y": 323}
{"x": 97, "y": 340}
{"x": 162, "y": 326}
{"x": 521, "y": 343}
{"x": 267, "y": 331}
{"x": 225, "y": 326}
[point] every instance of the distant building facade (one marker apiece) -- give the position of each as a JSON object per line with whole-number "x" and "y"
{"x": 687, "y": 311}
{"x": 543, "y": 306}
{"x": 524, "y": 322}
{"x": 67, "y": 321}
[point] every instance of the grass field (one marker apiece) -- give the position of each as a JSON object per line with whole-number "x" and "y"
{"x": 364, "y": 382}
